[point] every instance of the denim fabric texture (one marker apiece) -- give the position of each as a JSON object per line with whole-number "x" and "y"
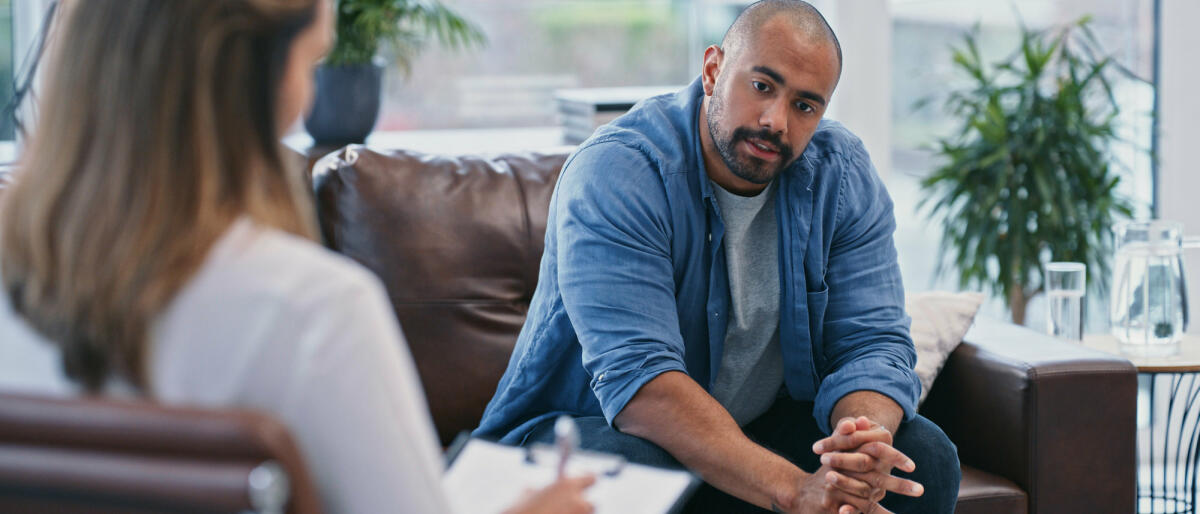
{"x": 633, "y": 283}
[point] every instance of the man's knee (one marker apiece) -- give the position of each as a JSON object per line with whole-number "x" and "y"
{"x": 938, "y": 469}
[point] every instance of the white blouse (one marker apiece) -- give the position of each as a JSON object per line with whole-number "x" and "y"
{"x": 277, "y": 323}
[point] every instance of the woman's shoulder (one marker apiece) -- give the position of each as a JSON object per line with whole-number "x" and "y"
{"x": 267, "y": 263}
{"x": 266, "y": 302}
{"x": 264, "y": 288}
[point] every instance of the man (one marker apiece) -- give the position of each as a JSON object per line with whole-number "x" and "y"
{"x": 720, "y": 290}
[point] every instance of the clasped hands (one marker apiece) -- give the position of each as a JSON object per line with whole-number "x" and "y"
{"x": 856, "y": 469}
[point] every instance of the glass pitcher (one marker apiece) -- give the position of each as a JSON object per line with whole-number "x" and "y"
{"x": 1149, "y": 304}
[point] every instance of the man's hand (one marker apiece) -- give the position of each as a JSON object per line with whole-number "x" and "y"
{"x": 828, "y": 492}
{"x": 850, "y": 434}
{"x": 861, "y": 456}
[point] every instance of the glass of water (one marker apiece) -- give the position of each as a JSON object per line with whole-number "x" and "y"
{"x": 1065, "y": 285}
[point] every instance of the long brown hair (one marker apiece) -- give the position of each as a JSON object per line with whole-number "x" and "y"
{"x": 156, "y": 129}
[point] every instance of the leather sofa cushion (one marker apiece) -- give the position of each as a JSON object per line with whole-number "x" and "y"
{"x": 982, "y": 492}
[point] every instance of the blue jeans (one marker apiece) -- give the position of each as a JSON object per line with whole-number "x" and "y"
{"x": 789, "y": 429}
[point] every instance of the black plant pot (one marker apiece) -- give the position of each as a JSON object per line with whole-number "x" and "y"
{"x": 346, "y": 105}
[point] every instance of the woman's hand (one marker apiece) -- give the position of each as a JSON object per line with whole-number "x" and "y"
{"x": 564, "y": 496}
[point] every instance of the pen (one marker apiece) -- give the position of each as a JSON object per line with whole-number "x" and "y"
{"x": 566, "y": 438}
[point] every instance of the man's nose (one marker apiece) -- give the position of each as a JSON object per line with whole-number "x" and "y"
{"x": 774, "y": 118}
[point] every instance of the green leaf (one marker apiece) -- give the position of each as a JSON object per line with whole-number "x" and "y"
{"x": 403, "y": 26}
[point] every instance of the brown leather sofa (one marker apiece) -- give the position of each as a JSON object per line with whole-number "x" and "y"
{"x": 1041, "y": 426}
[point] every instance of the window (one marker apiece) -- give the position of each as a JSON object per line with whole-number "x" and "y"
{"x": 922, "y": 33}
{"x": 537, "y": 47}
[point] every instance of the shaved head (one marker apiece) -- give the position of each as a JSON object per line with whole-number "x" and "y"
{"x": 799, "y": 14}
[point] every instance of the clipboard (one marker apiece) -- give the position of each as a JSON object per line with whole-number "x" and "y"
{"x": 484, "y": 476}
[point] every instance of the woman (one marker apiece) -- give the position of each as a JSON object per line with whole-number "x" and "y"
{"x": 156, "y": 238}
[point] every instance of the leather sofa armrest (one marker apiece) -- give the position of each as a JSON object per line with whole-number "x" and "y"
{"x": 1054, "y": 417}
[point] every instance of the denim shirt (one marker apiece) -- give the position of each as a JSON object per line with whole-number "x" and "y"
{"x": 633, "y": 281}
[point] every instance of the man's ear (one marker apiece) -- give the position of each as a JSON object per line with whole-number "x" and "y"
{"x": 713, "y": 56}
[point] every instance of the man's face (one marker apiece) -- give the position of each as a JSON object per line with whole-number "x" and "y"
{"x": 767, "y": 98}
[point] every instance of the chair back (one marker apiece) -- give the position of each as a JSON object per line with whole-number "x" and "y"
{"x": 76, "y": 456}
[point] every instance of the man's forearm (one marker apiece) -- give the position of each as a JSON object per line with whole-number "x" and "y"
{"x": 674, "y": 412}
{"x": 874, "y": 406}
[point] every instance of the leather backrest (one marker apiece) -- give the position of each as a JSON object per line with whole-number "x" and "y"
{"x": 75, "y": 455}
{"x": 457, "y": 242}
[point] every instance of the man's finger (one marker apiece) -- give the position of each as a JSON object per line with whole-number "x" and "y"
{"x": 852, "y": 486}
{"x": 842, "y": 499}
{"x": 853, "y": 461}
{"x": 849, "y": 442}
{"x": 863, "y": 423}
{"x": 889, "y": 455}
{"x": 877, "y": 509}
{"x": 889, "y": 483}
{"x": 846, "y": 426}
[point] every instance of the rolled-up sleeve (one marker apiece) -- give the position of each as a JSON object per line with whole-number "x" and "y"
{"x": 613, "y": 227}
{"x": 866, "y": 339}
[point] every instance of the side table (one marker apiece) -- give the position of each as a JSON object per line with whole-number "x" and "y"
{"x": 1169, "y": 453}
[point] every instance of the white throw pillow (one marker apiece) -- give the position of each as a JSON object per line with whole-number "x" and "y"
{"x": 939, "y": 322}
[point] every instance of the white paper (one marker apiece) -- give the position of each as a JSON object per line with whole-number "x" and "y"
{"x": 488, "y": 477}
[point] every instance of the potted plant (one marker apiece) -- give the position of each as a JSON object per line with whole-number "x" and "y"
{"x": 349, "y": 83}
{"x": 1029, "y": 176}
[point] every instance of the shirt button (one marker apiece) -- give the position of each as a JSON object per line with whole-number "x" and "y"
{"x": 710, "y": 236}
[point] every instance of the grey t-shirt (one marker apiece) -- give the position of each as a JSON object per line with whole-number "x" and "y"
{"x": 751, "y": 370}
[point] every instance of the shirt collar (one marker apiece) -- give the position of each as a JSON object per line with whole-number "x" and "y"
{"x": 694, "y": 101}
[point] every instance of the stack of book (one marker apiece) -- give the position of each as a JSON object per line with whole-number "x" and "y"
{"x": 583, "y": 110}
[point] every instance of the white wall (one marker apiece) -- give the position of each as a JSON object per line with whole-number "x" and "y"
{"x": 863, "y": 100}
{"x": 1179, "y": 128}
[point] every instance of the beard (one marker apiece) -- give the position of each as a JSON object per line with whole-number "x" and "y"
{"x": 746, "y": 167}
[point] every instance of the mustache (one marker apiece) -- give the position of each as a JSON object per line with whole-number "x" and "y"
{"x": 743, "y": 133}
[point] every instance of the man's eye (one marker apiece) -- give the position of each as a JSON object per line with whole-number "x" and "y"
{"x": 762, "y": 88}
{"x": 804, "y": 107}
